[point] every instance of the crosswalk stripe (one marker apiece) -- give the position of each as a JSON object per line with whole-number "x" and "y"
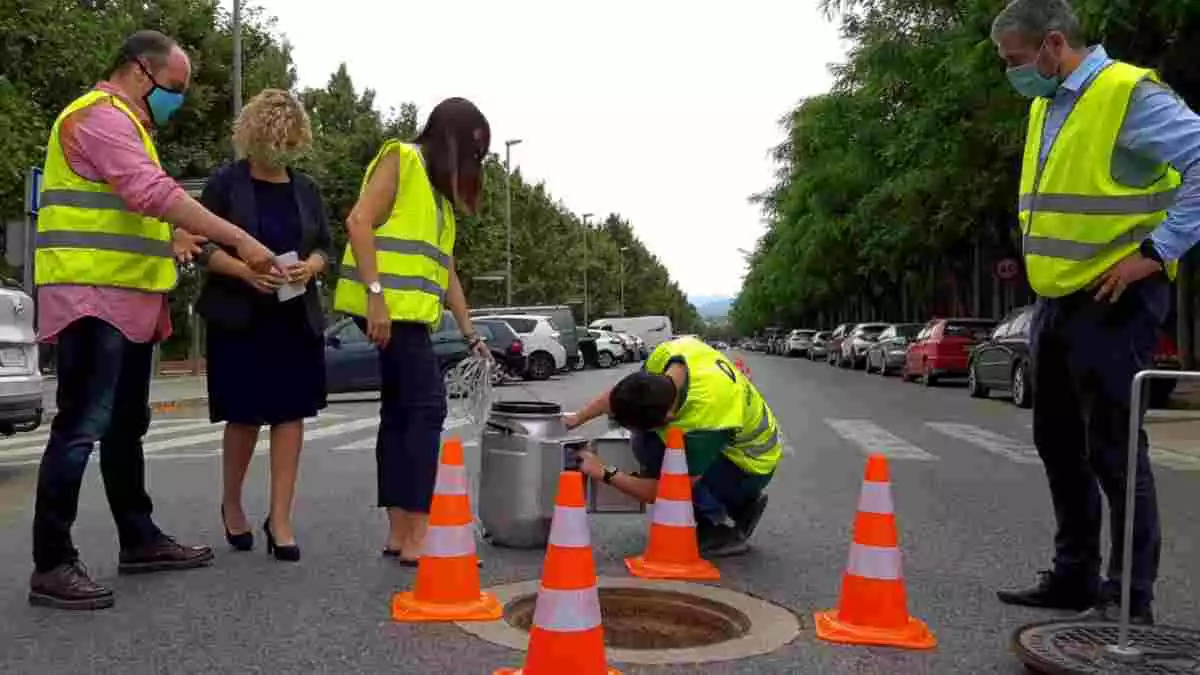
{"x": 368, "y": 443}
{"x": 31, "y": 447}
{"x": 995, "y": 443}
{"x": 874, "y": 439}
{"x": 40, "y": 436}
{"x": 323, "y": 432}
{"x": 1174, "y": 460}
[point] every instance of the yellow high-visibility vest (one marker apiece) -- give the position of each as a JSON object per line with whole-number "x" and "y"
{"x": 721, "y": 398}
{"x": 86, "y": 234}
{"x": 413, "y": 247}
{"x": 1076, "y": 220}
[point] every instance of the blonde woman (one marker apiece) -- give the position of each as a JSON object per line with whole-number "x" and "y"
{"x": 265, "y": 355}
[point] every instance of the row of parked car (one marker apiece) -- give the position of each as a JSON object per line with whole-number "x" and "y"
{"x": 993, "y": 356}
{"x": 529, "y": 343}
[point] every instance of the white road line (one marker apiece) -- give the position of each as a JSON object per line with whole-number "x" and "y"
{"x": 42, "y": 434}
{"x": 874, "y": 439}
{"x": 997, "y": 444}
{"x": 368, "y": 443}
{"x": 323, "y": 432}
{"x": 33, "y": 448}
{"x": 1174, "y": 460}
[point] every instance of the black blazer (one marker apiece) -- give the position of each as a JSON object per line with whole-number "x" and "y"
{"x": 229, "y": 193}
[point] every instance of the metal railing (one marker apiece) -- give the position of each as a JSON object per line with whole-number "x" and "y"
{"x": 1123, "y": 649}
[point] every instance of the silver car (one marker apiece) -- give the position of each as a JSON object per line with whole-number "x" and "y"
{"x": 21, "y": 402}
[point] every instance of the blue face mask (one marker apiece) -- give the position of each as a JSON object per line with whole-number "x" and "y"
{"x": 1031, "y": 83}
{"x": 161, "y": 102}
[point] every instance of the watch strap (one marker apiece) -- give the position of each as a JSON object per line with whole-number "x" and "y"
{"x": 609, "y": 472}
{"x": 1149, "y": 251}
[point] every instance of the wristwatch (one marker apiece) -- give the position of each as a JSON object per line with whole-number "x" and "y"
{"x": 375, "y": 288}
{"x": 609, "y": 472}
{"x": 1149, "y": 252}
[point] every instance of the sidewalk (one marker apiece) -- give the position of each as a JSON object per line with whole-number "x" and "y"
{"x": 166, "y": 392}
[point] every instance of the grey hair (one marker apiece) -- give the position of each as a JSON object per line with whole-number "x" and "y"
{"x": 1035, "y": 19}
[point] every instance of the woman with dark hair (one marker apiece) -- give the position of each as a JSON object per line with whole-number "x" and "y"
{"x": 397, "y": 273}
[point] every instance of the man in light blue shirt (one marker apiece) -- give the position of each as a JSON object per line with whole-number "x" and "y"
{"x": 1087, "y": 345}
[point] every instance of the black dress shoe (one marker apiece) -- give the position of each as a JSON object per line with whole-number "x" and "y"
{"x": 1109, "y": 611}
{"x": 721, "y": 541}
{"x": 1051, "y": 592}
{"x": 162, "y": 555}
{"x": 747, "y": 521}
{"x": 242, "y": 541}
{"x": 68, "y": 586}
{"x": 289, "y": 553}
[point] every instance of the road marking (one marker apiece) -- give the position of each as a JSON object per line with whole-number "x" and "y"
{"x": 30, "y": 447}
{"x": 874, "y": 439}
{"x": 995, "y": 443}
{"x": 1175, "y": 460}
{"x": 368, "y": 443}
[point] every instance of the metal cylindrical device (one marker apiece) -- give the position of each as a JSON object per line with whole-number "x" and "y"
{"x": 523, "y": 450}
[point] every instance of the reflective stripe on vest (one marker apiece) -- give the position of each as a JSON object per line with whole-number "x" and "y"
{"x": 86, "y": 234}
{"x": 413, "y": 247}
{"x": 1077, "y": 221}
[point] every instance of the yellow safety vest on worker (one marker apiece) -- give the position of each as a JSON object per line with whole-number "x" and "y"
{"x": 86, "y": 234}
{"x": 1076, "y": 220}
{"x": 721, "y": 398}
{"x": 413, "y": 247}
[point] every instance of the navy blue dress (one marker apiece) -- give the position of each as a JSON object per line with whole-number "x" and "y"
{"x": 273, "y": 371}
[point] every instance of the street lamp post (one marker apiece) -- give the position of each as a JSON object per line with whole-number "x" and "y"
{"x": 508, "y": 220}
{"x": 237, "y": 56}
{"x": 587, "y": 304}
{"x": 621, "y": 258}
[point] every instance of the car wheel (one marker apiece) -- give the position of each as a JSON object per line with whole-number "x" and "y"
{"x": 927, "y": 377}
{"x": 578, "y": 364}
{"x": 974, "y": 387}
{"x": 1021, "y": 395}
{"x": 883, "y": 369}
{"x": 541, "y": 366}
{"x": 606, "y": 360}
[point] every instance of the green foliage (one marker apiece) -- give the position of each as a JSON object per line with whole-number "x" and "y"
{"x": 891, "y": 183}
{"x": 53, "y": 50}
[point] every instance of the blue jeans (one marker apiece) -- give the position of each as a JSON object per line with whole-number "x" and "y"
{"x": 103, "y": 395}
{"x": 724, "y": 491}
{"x": 1085, "y": 355}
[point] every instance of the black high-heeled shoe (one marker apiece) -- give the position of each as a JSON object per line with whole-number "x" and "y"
{"x": 285, "y": 553}
{"x": 243, "y": 541}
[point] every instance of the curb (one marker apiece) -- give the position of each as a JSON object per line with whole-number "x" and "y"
{"x": 171, "y": 405}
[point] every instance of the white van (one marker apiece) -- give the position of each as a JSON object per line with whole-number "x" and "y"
{"x": 653, "y": 330}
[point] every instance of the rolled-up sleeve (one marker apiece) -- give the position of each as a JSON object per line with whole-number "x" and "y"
{"x": 1161, "y": 126}
{"x": 103, "y": 144}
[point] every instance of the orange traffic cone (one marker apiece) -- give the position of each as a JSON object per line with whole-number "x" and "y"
{"x": 447, "y": 587}
{"x": 673, "y": 551}
{"x": 567, "y": 636}
{"x": 873, "y": 609}
{"x": 741, "y": 365}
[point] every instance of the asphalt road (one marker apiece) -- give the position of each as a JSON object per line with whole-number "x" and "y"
{"x": 972, "y": 506}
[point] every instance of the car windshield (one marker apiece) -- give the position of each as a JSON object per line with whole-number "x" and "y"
{"x": 870, "y": 331}
{"x": 974, "y": 330}
{"x": 908, "y": 330}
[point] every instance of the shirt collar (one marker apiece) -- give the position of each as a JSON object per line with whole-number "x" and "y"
{"x": 136, "y": 106}
{"x": 1091, "y": 65}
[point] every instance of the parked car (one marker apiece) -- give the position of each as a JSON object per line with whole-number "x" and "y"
{"x": 854, "y": 346}
{"x": 833, "y": 346}
{"x": 506, "y": 345}
{"x": 560, "y": 317}
{"x": 943, "y": 348}
{"x": 21, "y": 402}
{"x": 352, "y": 362}
{"x": 641, "y": 349}
{"x": 630, "y": 345}
{"x": 609, "y": 349}
{"x": 819, "y": 347}
{"x": 886, "y": 354}
{"x": 1002, "y": 362}
{"x": 653, "y": 330}
{"x": 798, "y": 342}
{"x": 544, "y": 353}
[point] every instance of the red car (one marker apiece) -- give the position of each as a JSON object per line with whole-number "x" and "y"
{"x": 943, "y": 348}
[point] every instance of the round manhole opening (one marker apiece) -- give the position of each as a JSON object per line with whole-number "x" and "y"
{"x": 642, "y": 619}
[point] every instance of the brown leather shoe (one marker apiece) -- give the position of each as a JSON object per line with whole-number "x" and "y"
{"x": 163, "y": 555}
{"x": 68, "y": 586}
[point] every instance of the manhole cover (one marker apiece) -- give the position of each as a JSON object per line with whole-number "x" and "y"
{"x": 658, "y": 622}
{"x": 638, "y": 618}
{"x": 1081, "y": 647}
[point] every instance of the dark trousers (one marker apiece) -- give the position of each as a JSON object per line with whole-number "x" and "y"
{"x": 1085, "y": 355}
{"x": 412, "y": 411}
{"x": 103, "y": 395}
{"x": 724, "y": 491}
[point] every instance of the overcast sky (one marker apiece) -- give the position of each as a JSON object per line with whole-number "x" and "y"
{"x": 663, "y": 111}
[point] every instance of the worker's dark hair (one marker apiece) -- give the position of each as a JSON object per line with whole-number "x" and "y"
{"x": 453, "y": 122}
{"x": 148, "y": 45}
{"x": 642, "y": 401}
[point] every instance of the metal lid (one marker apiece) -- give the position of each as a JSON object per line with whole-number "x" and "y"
{"x": 526, "y": 408}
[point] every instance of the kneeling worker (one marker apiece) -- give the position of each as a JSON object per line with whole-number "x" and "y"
{"x": 731, "y": 438}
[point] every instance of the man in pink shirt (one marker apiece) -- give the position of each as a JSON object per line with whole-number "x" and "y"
{"x": 103, "y": 270}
